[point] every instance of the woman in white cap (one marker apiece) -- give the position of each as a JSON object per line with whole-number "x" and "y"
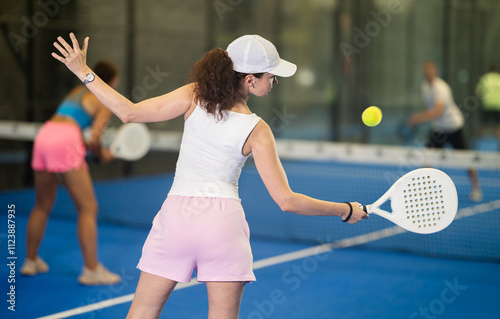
{"x": 201, "y": 224}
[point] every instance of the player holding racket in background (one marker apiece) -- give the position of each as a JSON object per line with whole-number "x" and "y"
{"x": 59, "y": 149}
{"x": 201, "y": 223}
{"x": 448, "y": 120}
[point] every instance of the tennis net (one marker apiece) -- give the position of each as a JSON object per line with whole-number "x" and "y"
{"x": 329, "y": 171}
{"x": 473, "y": 234}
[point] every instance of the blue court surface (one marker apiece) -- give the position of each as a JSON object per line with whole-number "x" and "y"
{"x": 295, "y": 279}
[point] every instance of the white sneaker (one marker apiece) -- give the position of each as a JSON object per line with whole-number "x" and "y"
{"x": 34, "y": 267}
{"x": 99, "y": 276}
{"x": 476, "y": 195}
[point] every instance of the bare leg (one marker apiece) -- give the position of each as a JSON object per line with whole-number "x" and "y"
{"x": 79, "y": 185}
{"x": 474, "y": 179}
{"x": 476, "y": 195}
{"x": 45, "y": 189}
{"x": 151, "y": 294}
{"x": 224, "y": 299}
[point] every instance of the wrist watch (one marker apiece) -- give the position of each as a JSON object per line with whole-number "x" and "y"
{"x": 89, "y": 78}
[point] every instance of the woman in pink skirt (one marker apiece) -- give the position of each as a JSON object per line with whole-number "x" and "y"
{"x": 201, "y": 224}
{"x": 59, "y": 149}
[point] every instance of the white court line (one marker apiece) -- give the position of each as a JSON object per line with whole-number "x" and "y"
{"x": 106, "y": 303}
{"x": 299, "y": 254}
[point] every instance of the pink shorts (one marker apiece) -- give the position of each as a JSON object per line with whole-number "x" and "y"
{"x": 58, "y": 148}
{"x": 210, "y": 235}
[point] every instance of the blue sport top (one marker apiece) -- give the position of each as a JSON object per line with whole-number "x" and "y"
{"x": 72, "y": 107}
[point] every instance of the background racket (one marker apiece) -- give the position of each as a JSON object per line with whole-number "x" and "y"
{"x": 405, "y": 132}
{"x": 131, "y": 142}
{"x": 423, "y": 201}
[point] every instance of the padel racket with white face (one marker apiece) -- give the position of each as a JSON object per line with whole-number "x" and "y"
{"x": 423, "y": 201}
{"x": 131, "y": 142}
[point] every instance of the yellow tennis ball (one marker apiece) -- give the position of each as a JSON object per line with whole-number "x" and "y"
{"x": 372, "y": 116}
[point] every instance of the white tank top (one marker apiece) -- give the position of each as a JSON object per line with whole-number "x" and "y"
{"x": 210, "y": 157}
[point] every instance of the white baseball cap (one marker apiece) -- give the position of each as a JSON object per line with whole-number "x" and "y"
{"x": 253, "y": 54}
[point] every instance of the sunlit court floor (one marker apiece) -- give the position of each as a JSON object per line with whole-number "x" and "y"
{"x": 344, "y": 283}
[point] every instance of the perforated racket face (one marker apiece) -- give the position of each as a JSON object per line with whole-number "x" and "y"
{"x": 131, "y": 142}
{"x": 424, "y": 201}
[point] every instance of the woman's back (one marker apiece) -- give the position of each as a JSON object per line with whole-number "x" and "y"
{"x": 211, "y": 158}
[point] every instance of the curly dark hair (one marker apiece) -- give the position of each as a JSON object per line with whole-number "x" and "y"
{"x": 217, "y": 86}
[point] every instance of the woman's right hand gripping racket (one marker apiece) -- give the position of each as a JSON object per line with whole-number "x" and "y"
{"x": 423, "y": 201}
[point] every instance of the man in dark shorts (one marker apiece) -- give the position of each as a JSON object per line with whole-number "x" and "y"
{"x": 448, "y": 121}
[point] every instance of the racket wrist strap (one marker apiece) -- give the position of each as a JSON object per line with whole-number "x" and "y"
{"x": 350, "y": 212}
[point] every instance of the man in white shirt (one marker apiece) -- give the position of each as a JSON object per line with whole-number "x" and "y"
{"x": 448, "y": 121}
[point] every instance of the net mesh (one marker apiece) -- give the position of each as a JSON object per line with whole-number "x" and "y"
{"x": 327, "y": 171}
{"x": 472, "y": 235}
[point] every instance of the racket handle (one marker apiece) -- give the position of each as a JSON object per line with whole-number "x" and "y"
{"x": 366, "y": 209}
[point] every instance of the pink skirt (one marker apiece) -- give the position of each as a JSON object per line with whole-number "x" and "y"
{"x": 208, "y": 234}
{"x": 58, "y": 148}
